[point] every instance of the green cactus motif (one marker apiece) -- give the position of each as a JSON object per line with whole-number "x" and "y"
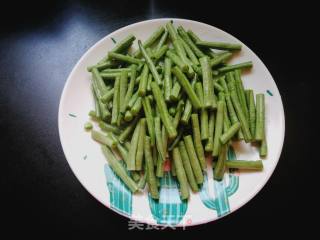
{"x": 222, "y": 192}
{"x": 169, "y": 209}
{"x": 120, "y": 195}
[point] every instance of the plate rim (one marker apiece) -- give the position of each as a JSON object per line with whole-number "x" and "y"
{"x": 232, "y": 210}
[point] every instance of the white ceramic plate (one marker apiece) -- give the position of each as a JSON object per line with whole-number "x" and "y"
{"x": 216, "y": 199}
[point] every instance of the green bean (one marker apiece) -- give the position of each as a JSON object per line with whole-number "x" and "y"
{"x": 172, "y": 32}
{"x": 219, "y": 45}
{"x": 124, "y": 44}
{"x": 124, "y": 58}
{"x": 117, "y": 70}
{"x": 143, "y": 81}
{"x": 97, "y": 112}
{"x": 240, "y": 91}
{"x": 183, "y": 56}
{"x": 152, "y": 39}
{"x": 159, "y": 141}
{"x": 102, "y": 138}
{"x": 130, "y": 88}
{"x": 162, "y": 41}
{"x": 107, "y": 97}
{"x": 136, "y": 107}
{"x": 218, "y": 129}
{"x": 122, "y": 93}
{"x": 149, "y": 83}
{"x": 176, "y": 140}
{"x": 118, "y": 168}
{"x": 127, "y": 131}
{"x": 189, "y": 52}
{"x": 224, "y": 138}
{"x": 167, "y": 79}
{"x": 220, "y": 59}
{"x": 218, "y": 87}
{"x": 172, "y": 110}
{"x": 149, "y": 118}
{"x": 123, "y": 152}
{"x": 128, "y": 116}
{"x": 241, "y": 116}
{"x": 102, "y": 65}
{"x": 164, "y": 136}
{"x": 88, "y": 126}
{"x": 178, "y": 113}
{"x": 110, "y": 76}
{"x": 131, "y": 163}
{"x": 151, "y": 178}
{"x": 173, "y": 169}
{"x": 226, "y": 120}
{"x": 207, "y": 82}
{"x": 184, "y": 35}
{"x": 186, "y": 113}
{"x": 220, "y": 166}
{"x": 209, "y": 145}
{"x": 235, "y": 67}
{"x": 109, "y": 128}
{"x": 260, "y": 117}
{"x": 193, "y": 159}
{"x": 252, "y": 112}
{"x": 175, "y": 91}
{"x": 98, "y": 84}
{"x": 160, "y": 167}
{"x": 132, "y": 100}
{"x": 187, "y": 167}
{"x": 247, "y": 94}
{"x": 187, "y": 87}
{"x": 242, "y": 164}
{"x": 142, "y": 182}
{"x": 162, "y": 51}
{"x": 181, "y": 174}
{"x": 263, "y": 150}
{"x": 149, "y": 52}
{"x": 115, "y": 105}
{"x": 142, "y": 134}
{"x": 223, "y": 83}
{"x": 177, "y": 60}
{"x": 150, "y": 64}
{"x": 162, "y": 107}
{"x": 197, "y": 140}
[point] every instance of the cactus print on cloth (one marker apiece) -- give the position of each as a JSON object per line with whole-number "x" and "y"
{"x": 120, "y": 195}
{"x": 222, "y": 192}
{"x": 169, "y": 209}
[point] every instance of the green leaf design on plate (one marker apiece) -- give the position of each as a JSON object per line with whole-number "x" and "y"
{"x": 120, "y": 195}
{"x": 169, "y": 209}
{"x": 222, "y": 192}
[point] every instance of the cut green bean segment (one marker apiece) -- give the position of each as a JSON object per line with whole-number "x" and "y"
{"x": 119, "y": 169}
{"x": 135, "y": 176}
{"x": 184, "y": 35}
{"x": 152, "y": 39}
{"x": 115, "y": 105}
{"x": 197, "y": 140}
{"x": 176, "y": 140}
{"x": 235, "y": 67}
{"x": 196, "y": 167}
{"x": 252, "y": 112}
{"x": 247, "y": 165}
{"x": 260, "y": 117}
{"x": 128, "y": 130}
{"x": 181, "y": 174}
{"x": 162, "y": 51}
{"x": 220, "y": 59}
{"x": 98, "y": 84}
{"x": 178, "y": 113}
{"x": 187, "y": 167}
{"x": 149, "y": 83}
{"x": 223, "y": 83}
{"x": 150, "y": 64}
{"x": 206, "y": 82}
{"x": 124, "y": 58}
{"x": 131, "y": 162}
{"x": 189, "y": 52}
{"x": 172, "y": 31}
{"x": 184, "y": 82}
{"x": 173, "y": 168}
{"x": 224, "y": 138}
{"x": 240, "y": 92}
{"x": 136, "y": 107}
{"x": 167, "y": 79}
{"x": 124, "y": 44}
{"x": 162, "y": 41}
{"x": 122, "y": 94}
{"x": 117, "y": 70}
{"x": 88, "y": 126}
{"x": 218, "y": 87}
{"x": 244, "y": 123}
{"x": 102, "y": 65}
{"x": 174, "y": 95}
{"x": 160, "y": 167}
{"x": 142, "y": 134}
{"x": 132, "y": 100}
{"x": 183, "y": 56}
{"x": 218, "y": 129}
{"x": 186, "y": 113}
{"x": 209, "y": 145}
{"x": 219, "y": 45}
{"x": 107, "y": 97}
{"x": 128, "y": 116}
{"x": 103, "y": 138}
{"x": 143, "y": 81}
{"x": 130, "y": 88}
{"x": 151, "y": 178}
{"x": 219, "y": 168}
{"x": 109, "y": 128}
{"x": 263, "y": 150}
{"x": 162, "y": 107}
{"x": 177, "y": 60}
{"x": 123, "y": 152}
{"x": 159, "y": 141}
{"x": 149, "y": 119}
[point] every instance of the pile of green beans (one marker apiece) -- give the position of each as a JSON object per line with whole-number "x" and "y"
{"x": 174, "y": 101}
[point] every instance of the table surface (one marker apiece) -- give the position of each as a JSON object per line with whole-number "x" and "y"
{"x": 40, "y": 46}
